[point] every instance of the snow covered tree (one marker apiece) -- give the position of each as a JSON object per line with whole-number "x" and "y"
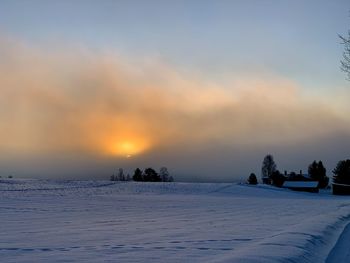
{"x": 342, "y": 172}
{"x": 164, "y": 174}
{"x": 128, "y": 177}
{"x": 268, "y": 167}
{"x": 252, "y": 179}
{"x": 317, "y": 172}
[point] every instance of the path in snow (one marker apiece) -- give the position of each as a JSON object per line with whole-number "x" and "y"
{"x": 341, "y": 251}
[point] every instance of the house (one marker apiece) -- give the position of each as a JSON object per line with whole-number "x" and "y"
{"x": 340, "y": 189}
{"x": 266, "y": 180}
{"x": 292, "y": 176}
{"x": 305, "y": 186}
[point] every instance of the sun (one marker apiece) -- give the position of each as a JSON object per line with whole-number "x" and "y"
{"x": 128, "y": 147}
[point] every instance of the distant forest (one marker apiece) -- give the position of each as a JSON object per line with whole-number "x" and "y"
{"x": 147, "y": 175}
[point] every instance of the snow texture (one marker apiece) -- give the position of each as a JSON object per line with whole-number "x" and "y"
{"x": 102, "y": 221}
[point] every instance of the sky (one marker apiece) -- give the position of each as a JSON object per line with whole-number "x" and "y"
{"x": 205, "y": 88}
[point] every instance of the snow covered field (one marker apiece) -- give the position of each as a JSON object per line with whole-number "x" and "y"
{"x": 101, "y": 221}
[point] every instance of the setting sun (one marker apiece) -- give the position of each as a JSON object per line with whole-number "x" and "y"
{"x": 128, "y": 147}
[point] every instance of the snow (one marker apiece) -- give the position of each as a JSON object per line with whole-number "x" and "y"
{"x": 102, "y": 221}
{"x": 341, "y": 251}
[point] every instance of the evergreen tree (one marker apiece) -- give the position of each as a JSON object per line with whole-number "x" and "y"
{"x": 252, "y": 179}
{"x": 342, "y": 172}
{"x": 137, "y": 175}
{"x": 150, "y": 175}
{"x": 317, "y": 172}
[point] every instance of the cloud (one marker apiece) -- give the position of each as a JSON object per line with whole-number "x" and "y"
{"x": 77, "y": 100}
{"x": 80, "y": 102}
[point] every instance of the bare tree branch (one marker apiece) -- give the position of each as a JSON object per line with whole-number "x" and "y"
{"x": 345, "y": 62}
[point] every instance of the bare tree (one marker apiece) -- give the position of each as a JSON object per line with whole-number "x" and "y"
{"x": 345, "y": 62}
{"x": 121, "y": 175}
{"x": 112, "y": 177}
{"x": 268, "y": 168}
{"x": 164, "y": 174}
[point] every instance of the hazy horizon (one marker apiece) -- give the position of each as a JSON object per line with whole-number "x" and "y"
{"x": 204, "y": 88}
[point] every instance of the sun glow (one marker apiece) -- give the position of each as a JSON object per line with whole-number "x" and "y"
{"x": 128, "y": 147}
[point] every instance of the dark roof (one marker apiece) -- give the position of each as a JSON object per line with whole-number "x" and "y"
{"x": 300, "y": 184}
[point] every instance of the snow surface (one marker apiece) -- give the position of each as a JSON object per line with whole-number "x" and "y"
{"x": 102, "y": 221}
{"x": 341, "y": 251}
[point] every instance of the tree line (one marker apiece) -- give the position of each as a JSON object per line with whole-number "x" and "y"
{"x": 147, "y": 175}
{"x": 316, "y": 172}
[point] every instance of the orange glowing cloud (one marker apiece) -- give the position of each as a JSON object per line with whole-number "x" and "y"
{"x": 98, "y": 103}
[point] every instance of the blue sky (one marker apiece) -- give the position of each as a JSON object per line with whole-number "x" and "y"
{"x": 297, "y": 39}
